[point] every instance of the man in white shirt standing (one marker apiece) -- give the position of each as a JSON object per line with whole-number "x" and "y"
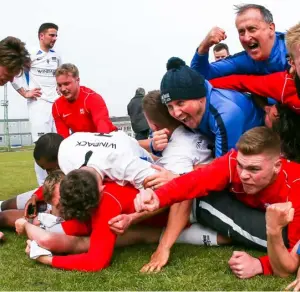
{"x": 38, "y": 86}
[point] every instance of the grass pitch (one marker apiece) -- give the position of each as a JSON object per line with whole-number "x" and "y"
{"x": 190, "y": 267}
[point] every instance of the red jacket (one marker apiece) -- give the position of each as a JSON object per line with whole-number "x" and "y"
{"x": 87, "y": 114}
{"x": 280, "y": 86}
{"x": 222, "y": 174}
{"x": 115, "y": 200}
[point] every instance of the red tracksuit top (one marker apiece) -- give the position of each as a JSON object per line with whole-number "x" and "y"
{"x": 115, "y": 200}
{"x": 279, "y": 85}
{"x": 87, "y": 114}
{"x": 222, "y": 174}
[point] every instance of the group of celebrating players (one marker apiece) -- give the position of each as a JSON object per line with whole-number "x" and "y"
{"x": 221, "y": 168}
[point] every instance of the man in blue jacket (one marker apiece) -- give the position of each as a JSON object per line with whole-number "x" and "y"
{"x": 265, "y": 51}
{"x": 221, "y": 115}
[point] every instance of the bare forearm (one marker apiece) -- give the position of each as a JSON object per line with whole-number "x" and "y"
{"x": 282, "y": 261}
{"x": 145, "y": 144}
{"x": 22, "y": 91}
{"x": 138, "y": 217}
{"x": 203, "y": 48}
{"x": 177, "y": 221}
{"x": 34, "y": 232}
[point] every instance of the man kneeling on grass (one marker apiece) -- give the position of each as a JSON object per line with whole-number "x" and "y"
{"x": 232, "y": 194}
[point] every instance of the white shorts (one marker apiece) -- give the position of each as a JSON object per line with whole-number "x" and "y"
{"x": 40, "y": 117}
{"x": 23, "y": 198}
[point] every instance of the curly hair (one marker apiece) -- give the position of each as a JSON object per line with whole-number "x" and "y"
{"x": 287, "y": 127}
{"x": 14, "y": 56}
{"x": 55, "y": 177}
{"x": 79, "y": 195}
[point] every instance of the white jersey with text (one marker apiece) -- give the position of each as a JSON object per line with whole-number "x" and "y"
{"x": 184, "y": 150}
{"x": 41, "y": 74}
{"x": 115, "y": 156}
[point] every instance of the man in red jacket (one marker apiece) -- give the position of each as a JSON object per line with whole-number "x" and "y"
{"x": 86, "y": 214}
{"x": 254, "y": 176}
{"x": 79, "y": 109}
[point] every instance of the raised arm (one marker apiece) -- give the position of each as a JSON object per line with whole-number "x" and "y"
{"x": 282, "y": 261}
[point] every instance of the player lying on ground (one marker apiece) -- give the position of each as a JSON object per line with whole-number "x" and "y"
{"x": 257, "y": 176}
{"x": 83, "y": 199}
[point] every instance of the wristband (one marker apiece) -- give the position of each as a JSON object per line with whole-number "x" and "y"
{"x": 157, "y": 153}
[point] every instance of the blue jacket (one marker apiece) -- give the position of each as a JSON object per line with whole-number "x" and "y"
{"x": 227, "y": 116}
{"x": 242, "y": 63}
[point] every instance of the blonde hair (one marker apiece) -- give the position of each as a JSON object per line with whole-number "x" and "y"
{"x": 292, "y": 38}
{"x": 55, "y": 177}
{"x": 67, "y": 68}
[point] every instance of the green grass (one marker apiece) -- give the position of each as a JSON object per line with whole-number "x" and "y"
{"x": 190, "y": 268}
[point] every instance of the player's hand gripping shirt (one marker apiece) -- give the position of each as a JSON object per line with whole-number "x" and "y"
{"x": 184, "y": 150}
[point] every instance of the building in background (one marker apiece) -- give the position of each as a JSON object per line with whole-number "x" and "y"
{"x": 19, "y": 133}
{"x": 124, "y": 124}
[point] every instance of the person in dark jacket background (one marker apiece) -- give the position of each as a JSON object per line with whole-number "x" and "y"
{"x": 135, "y": 112}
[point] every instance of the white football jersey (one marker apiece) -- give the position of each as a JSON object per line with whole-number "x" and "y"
{"x": 114, "y": 155}
{"x": 41, "y": 74}
{"x": 184, "y": 150}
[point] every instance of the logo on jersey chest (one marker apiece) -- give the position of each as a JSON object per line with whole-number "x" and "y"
{"x": 82, "y": 111}
{"x": 97, "y": 144}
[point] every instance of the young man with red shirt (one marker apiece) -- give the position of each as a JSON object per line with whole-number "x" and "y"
{"x": 254, "y": 176}
{"x": 79, "y": 109}
{"x": 96, "y": 206}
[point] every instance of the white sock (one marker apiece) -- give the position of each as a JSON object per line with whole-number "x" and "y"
{"x": 0, "y": 205}
{"x": 198, "y": 234}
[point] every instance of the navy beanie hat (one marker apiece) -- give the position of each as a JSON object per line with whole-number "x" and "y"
{"x": 181, "y": 82}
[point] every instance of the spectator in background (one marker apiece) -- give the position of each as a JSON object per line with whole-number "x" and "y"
{"x": 79, "y": 109}
{"x": 221, "y": 51}
{"x": 136, "y": 114}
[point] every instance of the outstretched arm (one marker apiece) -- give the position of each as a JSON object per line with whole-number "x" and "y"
{"x": 271, "y": 85}
{"x": 177, "y": 221}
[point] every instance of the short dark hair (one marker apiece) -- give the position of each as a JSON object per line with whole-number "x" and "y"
{"x": 47, "y": 147}
{"x": 79, "y": 195}
{"x": 265, "y": 13}
{"x": 259, "y": 140}
{"x": 156, "y": 111}
{"x": 287, "y": 127}
{"x": 45, "y": 26}
{"x": 14, "y": 56}
{"x": 55, "y": 177}
{"x": 220, "y": 46}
